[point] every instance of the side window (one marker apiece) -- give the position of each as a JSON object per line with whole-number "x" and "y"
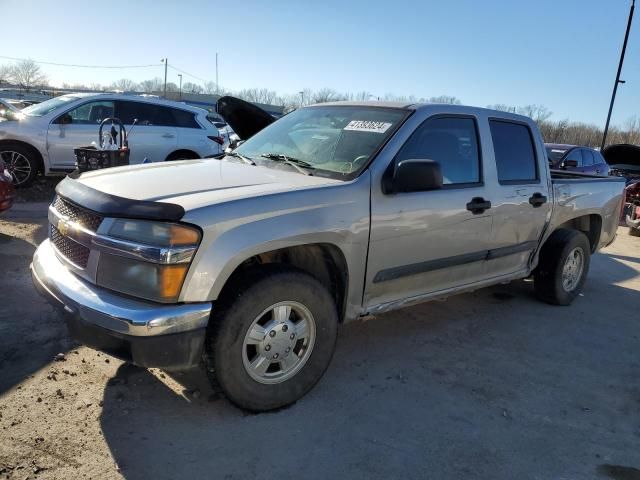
{"x": 576, "y": 155}
{"x": 450, "y": 141}
{"x": 514, "y": 151}
{"x": 91, "y": 113}
{"x": 148, "y": 114}
{"x": 184, "y": 119}
{"x": 598, "y": 159}
{"x": 587, "y": 158}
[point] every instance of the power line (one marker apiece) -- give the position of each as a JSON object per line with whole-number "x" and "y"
{"x": 80, "y": 66}
{"x": 188, "y": 74}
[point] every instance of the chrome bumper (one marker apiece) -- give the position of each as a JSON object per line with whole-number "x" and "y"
{"x": 102, "y": 308}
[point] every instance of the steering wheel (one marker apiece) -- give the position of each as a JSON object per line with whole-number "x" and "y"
{"x": 359, "y": 160}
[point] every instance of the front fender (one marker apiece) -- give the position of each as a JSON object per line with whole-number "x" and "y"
{"x": 337, "y": 215}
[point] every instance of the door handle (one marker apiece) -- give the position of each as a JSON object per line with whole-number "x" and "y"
{"x": 478, "y": 205}
{"x": 168, "y": 135}
{"x": 537, "y": 200}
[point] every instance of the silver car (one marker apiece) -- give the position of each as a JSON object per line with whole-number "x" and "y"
{"x": 43, "y": 136}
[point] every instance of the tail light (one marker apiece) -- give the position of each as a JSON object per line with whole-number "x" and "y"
{"x": 219, "y": 140}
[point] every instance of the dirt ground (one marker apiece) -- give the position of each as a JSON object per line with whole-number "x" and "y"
{"x": 489, "y": 385}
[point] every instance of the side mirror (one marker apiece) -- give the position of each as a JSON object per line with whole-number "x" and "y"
{"x": 65, "y": 119}
{"x": 570, "y": 163}
{"x": 415, "y": 175}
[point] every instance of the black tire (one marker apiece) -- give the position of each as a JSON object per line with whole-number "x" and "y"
{"x": 225, "y": 339}
{"x": 20, "y": 178}
{"x": 634, "y": 232}
{"x": 182, "y": 155}
{"x": 548, "y": 276}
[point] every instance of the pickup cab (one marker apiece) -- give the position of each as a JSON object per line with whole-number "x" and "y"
{"x": 248, "y": 264}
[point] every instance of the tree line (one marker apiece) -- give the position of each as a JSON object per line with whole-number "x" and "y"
{"x": 28, "y": 75}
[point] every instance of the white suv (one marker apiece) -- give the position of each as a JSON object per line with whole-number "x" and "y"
{"x": 44, "y": 136}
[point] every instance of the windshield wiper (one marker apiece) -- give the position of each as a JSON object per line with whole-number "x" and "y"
{"x": 241, "y": 157}
{"x": 296, "y": 163}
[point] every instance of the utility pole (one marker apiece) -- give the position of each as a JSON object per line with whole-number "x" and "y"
{"x": 180, "y": 75}
{"x": 217, "y": 87}
{"x": 166, "y": 62}
{"x": 618, "y": 81}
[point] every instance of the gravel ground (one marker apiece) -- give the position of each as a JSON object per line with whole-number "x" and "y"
{"x": 489, "y": 385}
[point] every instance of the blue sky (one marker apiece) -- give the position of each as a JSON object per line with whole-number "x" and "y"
{"x": 559, "y": 53}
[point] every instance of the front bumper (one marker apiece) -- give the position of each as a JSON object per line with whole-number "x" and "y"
{"x": 144, "y": 333}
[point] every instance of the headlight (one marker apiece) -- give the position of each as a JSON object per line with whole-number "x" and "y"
{"x": 146, "y": 259}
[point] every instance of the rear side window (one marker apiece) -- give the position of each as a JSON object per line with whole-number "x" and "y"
{"x": 184, "y": 119}
{"x": 598, "y": 158}
{"x": 450, "y": 141}
{"x": 587, "y": 158}
{"x": 147, "y": 114}
{"x": 514, "y": 151}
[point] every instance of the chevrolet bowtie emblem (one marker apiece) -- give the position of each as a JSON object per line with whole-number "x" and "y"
{"x": 64, "y": 227}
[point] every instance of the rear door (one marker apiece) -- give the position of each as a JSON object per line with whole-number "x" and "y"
{"x": 195, "y": 137}
{"x": 62, "y": 137}
{"x": 425, "y": 242}
{"x": 521, "y": 199}
{"x": 154, "y": 136}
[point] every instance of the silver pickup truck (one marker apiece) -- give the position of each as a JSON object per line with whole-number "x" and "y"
{"x": 247, "y": 264}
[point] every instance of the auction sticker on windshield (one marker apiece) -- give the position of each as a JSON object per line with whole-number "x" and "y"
{"x": 367, "y": 126}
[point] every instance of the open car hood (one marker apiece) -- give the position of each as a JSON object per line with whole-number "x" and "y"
{"x": 244, "y": 118}
{"x": 623, "y": 156}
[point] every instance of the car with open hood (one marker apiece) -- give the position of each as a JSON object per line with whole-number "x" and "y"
{"x": 624, "y": 160}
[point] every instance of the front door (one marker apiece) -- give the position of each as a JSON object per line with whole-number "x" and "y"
{"x": 75, "y": 128}
{"x": 427, "y": 242}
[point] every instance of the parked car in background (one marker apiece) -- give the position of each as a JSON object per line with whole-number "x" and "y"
{"x": 7, "y": 191}
{"x": 334, "y": 212}
{"x": 624, "y": 160}
{"x": 576, "y": 159}
{"x": 43, "y": 139}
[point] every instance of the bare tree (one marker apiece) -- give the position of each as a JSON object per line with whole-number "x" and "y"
{"x": 211, "y": 88}
{"x": 327, "y": 95}
{"x": 191, "y": 87}
{"x": 445, "y": 99}
{"x": 152, "y": 85}
{"x": 27, "y": 74}
{"x": 171, "y": 87}
{"x": 124, "y": 84}
{"x": 502, "y": 107}
{"x": 5, "y": 74}
{"x": 258, "y": 95}
{"x": 539, "y": 113}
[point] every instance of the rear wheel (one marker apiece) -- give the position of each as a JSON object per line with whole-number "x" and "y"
{"x": 272, "y": 341}
{"x": 634, "y": 232}
{"x": 562, "y": 270}
{"x": 22, "y": 163}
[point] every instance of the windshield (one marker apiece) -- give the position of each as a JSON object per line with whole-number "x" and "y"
{"x": 337, "y": 140}
{"x": 40, "y": 109}
{"x": 555, "y": 154}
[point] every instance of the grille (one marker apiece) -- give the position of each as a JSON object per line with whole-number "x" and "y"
{"x": 86, "y": 218}
{"x": 73, "y": 251}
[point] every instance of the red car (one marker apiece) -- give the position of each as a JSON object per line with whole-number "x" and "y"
{"x": 7, "y": 192}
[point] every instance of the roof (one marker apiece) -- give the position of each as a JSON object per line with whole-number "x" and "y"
{"x": 349, "y": 103}
{"x": 559, "y": 146}
{"x": 140, "y": 98}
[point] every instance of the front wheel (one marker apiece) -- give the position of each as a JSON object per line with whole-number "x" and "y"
{"x": 21, "y": 163}
{"x": 562, "y": 270}
{"x": 272, "y": 341}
